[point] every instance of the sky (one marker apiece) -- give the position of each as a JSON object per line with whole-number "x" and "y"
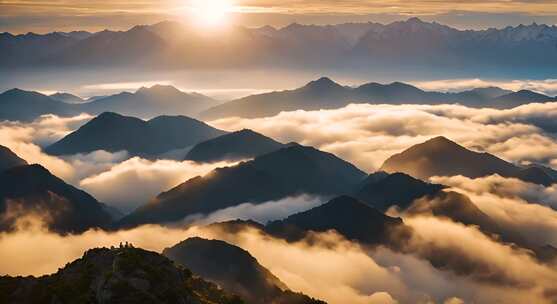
{"x": 21, "y": 16}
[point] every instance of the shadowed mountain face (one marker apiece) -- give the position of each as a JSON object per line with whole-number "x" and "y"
{"x": 442, "y": 157}
{"x": 287, "y": 172}
{"x": 382, "y": 191}
{"x": 9, "y": 159}
{"x": 239, "y": 145}
{"x": 26, "y": 106}
{"x": 113, "y": 132}
{"x": 33, "y": 190}
{"x": 351, "y": 218}
{"x": 235, "y": 270}
{"x": 123, "y": 275}
{"x": 327, "y": 94}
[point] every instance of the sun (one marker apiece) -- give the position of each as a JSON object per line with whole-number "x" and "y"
{"x": 211, "y": 13}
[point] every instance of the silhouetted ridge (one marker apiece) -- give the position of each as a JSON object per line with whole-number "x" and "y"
{"x": 238, "y": 145}
{"x": 398, "y": 189}
{"x": 443, "y": 157}
{"x": 33, "y": 190}
{"x": 113, "y": 132}
{"x": 121, "y": 275}
{"x": 324, "y": 93}
{"x": 235, "y": 270}
{"x": 348, "y": 216}
{"x": 286, "y": 172}
{"x": 9, "y": 159}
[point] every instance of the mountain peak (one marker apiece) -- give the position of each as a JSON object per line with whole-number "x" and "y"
{"x": 158, "y": 88}
{"x": 350, "y": 217}
{"x": 415, "y": 20}
{"x": 323, "y": 83}
{"x": 118, "y": 275}
{"x": 108, "y": 116}
{"x": 442, "y": 157}
{"x": 441, "y": 140}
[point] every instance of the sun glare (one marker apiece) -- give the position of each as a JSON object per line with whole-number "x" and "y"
{"x": 211, "y": 13}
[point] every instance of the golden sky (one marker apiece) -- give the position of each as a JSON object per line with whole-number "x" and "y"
{"x": 46, "y": 15}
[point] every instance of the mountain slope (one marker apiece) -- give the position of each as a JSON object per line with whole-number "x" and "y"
{"x": 9, "y": 159}
{"x": 239, "y": 145}
{"x": 113, "y": 132}
{"x": 121, "y": 275}
{"x": 235, "y": 270}
{"x": 150, "y": 102}
{"x": 398, "y": 189}
{"x": 289, "y": 171}
{"x": 519, "y": 98}
{"x": 348, "y": 216}
{"x": 33, "y": 190}
{"x": 321, "y": 93}
{"x": 22, "y": 105}
{"x": 442, "y": 157}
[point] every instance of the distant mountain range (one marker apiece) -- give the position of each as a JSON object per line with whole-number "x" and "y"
{"x": 286, "y": 172}
{"x": 158, "y": 100}
{"x": 403, "y": 45}
{"x": 443, "y": 157}
{"x": 235, "y": 270}
{"x": 113, "y": 132}
{"x": 117, "y": 275}
{"x": 324, "y": 93}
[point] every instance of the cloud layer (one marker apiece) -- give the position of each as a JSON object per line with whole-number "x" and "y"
{"x": 353, "y": 274}
{"x": 366, "y": 134}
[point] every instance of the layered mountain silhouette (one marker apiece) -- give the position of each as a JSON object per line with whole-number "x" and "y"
{"x": 120, "y": 275}
{"x": 9, "y": 159}
{"x": 443, "y": 157}
{"x": 33, "y": 191}
{"x": 286, "y": 172}
{"x": 244, "y": 144}
{"x": 235, "y": 270}
{"x": 150, "y": 102}
{"x": 365, "y": 46}
{"x": 351, "y": 218}
{"x": 67, "y": 98}
{"x": 22, "y": 105}
{"x": 384, "y": 191}
{"x": 114, "y": 132}
{"x": 324, "y": 93}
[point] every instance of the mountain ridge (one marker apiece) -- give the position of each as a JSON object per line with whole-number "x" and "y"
{"x": 114, "y": 132}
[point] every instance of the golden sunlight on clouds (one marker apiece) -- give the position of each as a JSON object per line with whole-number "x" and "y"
{"x": 213, "y": 13}
{"x": 21, "y": 16}
{"x": 292, "y": 6}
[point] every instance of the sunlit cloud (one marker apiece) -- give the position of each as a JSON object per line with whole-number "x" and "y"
{"x": 45, "y": 16}
{"x": 548, "y": 86}
{"x": 132, "y": 183}
{"x": 367, "y": 135}
{"x": 354, "y": 274}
